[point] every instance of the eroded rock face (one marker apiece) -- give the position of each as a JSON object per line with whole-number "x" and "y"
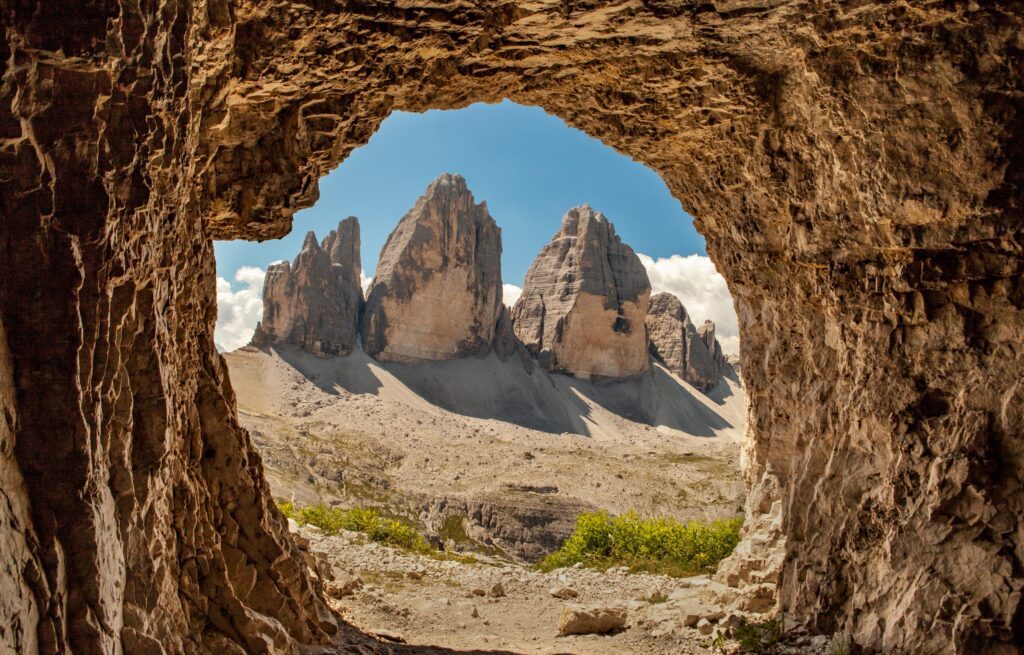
{"x": 314, "y": 302}
{"x": 693, "y": 354}
{"x": 437, "y": 291}
{"x": 584, "y": 300}
{"x": 856, "y": 170}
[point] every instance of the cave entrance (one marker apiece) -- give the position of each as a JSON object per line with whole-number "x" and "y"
{"x": 854, "y": 167}
{"x": 497, "y": 452}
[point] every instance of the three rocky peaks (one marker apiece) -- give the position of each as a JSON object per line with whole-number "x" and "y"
{"x": 586, "y": 307}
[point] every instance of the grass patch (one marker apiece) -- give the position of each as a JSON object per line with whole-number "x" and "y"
{"x": 369, "y": 521}
{"x": 656, "y": 598}
{"x": 452, "y": 529}
{"x": 758, "y": 637}
{"x": 662, "y": 545}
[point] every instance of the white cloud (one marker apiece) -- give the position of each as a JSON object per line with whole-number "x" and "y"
{"x": 510, "y": 294}
{"x": 239, "y": 311}
{"x": 364, "y": 282}
{"x": 702, "y": 290}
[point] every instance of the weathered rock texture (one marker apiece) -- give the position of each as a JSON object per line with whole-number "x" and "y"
{"x": 314, "y": 302}
{"x": 436, "y": 293}
{"x": 856, "y": 168}
{"x": 691, "y": 353}
{"x": 584, "y": 300}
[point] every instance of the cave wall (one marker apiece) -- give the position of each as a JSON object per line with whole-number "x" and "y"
{"x": 855, "y": 167}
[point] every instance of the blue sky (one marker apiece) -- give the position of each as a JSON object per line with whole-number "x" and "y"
{"x": 529, "y": 166}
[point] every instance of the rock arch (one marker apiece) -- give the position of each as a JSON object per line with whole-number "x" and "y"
{"x": 855, "y": 167}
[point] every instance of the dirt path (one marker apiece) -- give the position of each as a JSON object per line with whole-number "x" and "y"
{"x": 419, "y": 600}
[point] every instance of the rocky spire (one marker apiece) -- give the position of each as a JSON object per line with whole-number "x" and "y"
{"x": 584, "y": 301}
{"x": 692, "y": 353}
{"x": 314, "y": 302}
{"x": 437, "y": 290}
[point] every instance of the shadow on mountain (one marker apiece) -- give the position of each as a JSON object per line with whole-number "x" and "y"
{"x": 488, "y": 388}
{"x": 331, "y": 374}
{"x": 721, "y": 392}
{"x": 656, "y": 398}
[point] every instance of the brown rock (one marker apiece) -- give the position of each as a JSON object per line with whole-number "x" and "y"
{"x": 584, "y": 300}
{"x": 855, "y": 168}
{"x": 693, "y": 354}
{"x": 437, "y": 290}
{"x": 578, "y": 620}
{"x": 344, "y": 585}
{"x": 314, "y": 302}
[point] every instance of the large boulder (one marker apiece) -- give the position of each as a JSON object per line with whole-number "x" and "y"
{"x": 437, "y": 291}
{"x": 579, "y": 620}
{"x": 692, "y": 353}
{"x": 314, "y": 302}
{"x": 584, "y": 301}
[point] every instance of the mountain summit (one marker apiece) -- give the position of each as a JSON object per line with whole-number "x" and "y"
{"x": 584, "y": 301}
{"x": 437, "y": 291}
{"x": 314, "y": 302}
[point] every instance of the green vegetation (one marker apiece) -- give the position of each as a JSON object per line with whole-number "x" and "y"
{"x": 452, "y": 529}
{"x": 651, "y": 545}
{"x": 367, "y": 520}
{"x": 657, "y": 598}
{"x": 839, "y": 645}
{"x": 758, "y": 637}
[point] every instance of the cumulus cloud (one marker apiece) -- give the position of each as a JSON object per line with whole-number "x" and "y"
{"x": 510, "y": 294}
{"x": 364, "y": 282}
{"x": 239, "y": 311}
{"x": 702, "y": 290}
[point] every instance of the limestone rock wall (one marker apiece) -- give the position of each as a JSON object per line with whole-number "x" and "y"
{"x": 691, "y": 353}
{"x": 856, "y": 169}
{"x": 135, "y": 514}
{"x": 584, "y": 300}
{"x": 314, "y": 302}
{"x": 436, "y": 293}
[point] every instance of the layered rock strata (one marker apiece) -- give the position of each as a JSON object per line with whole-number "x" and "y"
{"x": 584, "y": 300}
{"x": 314, "y": 302}
{"x": 692, "y": 353}
{"x": 436, "y": 293}
{"x": 856, "y": 168}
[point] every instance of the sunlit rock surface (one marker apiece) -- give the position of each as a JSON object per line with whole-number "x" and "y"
{"x": 857, "y": 171}
{"x": 692, "y": 353}
{"x": 437, "y": 291}
{"x": 584, "y": 300}
{"x": 314, "y": 302}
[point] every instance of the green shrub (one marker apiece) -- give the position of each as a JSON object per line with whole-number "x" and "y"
{"x": 652, "y": 545}
{"x": 287, "y": 508}
{"x": 759, "y": 637}
{"x": 331, "y": 520}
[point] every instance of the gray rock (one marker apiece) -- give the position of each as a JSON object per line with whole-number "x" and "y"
{"x": 437, "y": 291}
{"x": 344, "y": 585}
{"x": 692, "y": 353}
{"x": 584, "y": 301}
{"x": 314, "y": 302}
